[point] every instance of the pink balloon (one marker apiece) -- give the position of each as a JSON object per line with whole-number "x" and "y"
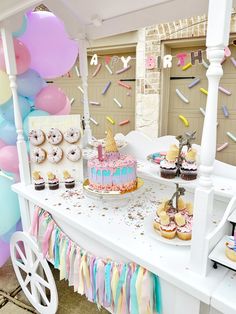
{"x": 2, "y": 144}
{"x": 5, "y": 252}
{"x": 22, "y": 56}
{"x": 9, "y": 159}
{"x": 51, "y": 99}
{"x": 66, "y": 110}
{"x": 53, "y": 53}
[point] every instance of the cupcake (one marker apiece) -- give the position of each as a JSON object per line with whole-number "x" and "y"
{"x": 157, "y": 220}
{"x": 188, "y": 169}
{"x": 167, "y": 227}
{"x": 39, "y": 183}
{"x": 184, "y": 230}
{"x": 230, "y": 249}
{"x": 168, "y": 166}
{"x": 53, "y": 182}
{"x": 69, "y": 180}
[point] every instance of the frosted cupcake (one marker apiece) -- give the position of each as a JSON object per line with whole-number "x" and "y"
{"x": 39, "y": 183}
{"x": 167, "y": 227}
{"x": 53, "y": 181}
{"x": 69, "y": 180}
{"x": 184, "y": 229}
{"x": 230, "y": 249}
{"x": 163, "y": 207}
{"x": 189, "y": 166}
{"x": 168, "y": 166}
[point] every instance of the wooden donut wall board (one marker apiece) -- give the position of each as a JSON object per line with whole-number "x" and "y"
{"x": 63, "y": 123}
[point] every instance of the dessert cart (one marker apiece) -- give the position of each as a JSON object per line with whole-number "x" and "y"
{"x": 188, "y": 280}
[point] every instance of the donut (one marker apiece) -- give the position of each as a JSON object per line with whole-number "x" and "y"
{"x": 72, "y": 135}
{"x": 38, "y": 155}
{"x": 36, "y": 137}
{"x": 54, "y": 154}
{"x": 54, "y": 136}
{"x": 73, "y": 153}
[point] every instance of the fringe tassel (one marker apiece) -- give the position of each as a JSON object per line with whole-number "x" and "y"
{"x": 125, "y": 288}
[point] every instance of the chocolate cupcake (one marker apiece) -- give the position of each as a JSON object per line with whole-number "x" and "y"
{"x": 69, "y": 180}
{"x": 188, "y": 169}
{"x": 168, "y": 168}
{"x": 39, "y": 183}
{"x": 53, "y": 181}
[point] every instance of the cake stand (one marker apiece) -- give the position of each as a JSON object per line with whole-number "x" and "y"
{"x": 112, "y": 196}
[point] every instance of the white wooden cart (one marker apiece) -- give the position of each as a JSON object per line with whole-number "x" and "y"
{"x": 188, "y": 281}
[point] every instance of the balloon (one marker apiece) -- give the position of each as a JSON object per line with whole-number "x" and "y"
{"x": 23, "y": 27}
{"x": 53, "y": 54}
{"x": 5, "y": 90}
{"x": 9, "y": 159}
{"x": 2, "y": 143}
{"x": 5, "y": 252}
{"x": 22, "y": 56}
{"x": 6, "y": 237}
{"x": 51, "y": 99}
{"x": 35, "y": 113}
{"x": 7, "y": 110}
{"x": 9, "y": 206}
{"x": 29, "y": 83}
{"x": 66, "y": 110}
{"x": 8, "y": 132}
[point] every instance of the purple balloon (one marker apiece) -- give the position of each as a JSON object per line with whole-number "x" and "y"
{"x": 6, "y": 237}
{"x": 52, "y": 52}
{"x": 5, "y": 252}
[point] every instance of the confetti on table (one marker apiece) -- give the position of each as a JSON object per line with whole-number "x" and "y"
{"x": 108, "y": 68}
{"x": 225, "y": 111}
{"x": 195, "y": 82}
{"x": 204, "y": 91}
{"x": 184, "y": 120}
{"x": 106, "y": 88}
{"x": 77, "y": 71}
{"x": 95, "y": 103}
{"x": 187, "y": 66}
{"x": 110, "y": 120}
{"x": 124, "y": 122}
{"x": 117, "y": 102}
{"x": 123, "y": 70}
{"x": 81, "y": 89}
{"x": 220, "y": 148}
{"x": 97, "y": 70}
{"x": 230, "y": 135}
{"x": 124, "y": 85}
{"x": 94, "y": 121}
{"x": 225, "y": 91}
{"x": 181, "y": 96}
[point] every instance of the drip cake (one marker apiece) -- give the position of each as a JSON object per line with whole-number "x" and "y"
{"x": 112, "y": 171}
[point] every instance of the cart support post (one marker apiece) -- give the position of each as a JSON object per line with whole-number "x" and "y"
{"x": 218, "y": 29}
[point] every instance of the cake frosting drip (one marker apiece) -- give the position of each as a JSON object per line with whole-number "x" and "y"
{"x": 113, "y": 173}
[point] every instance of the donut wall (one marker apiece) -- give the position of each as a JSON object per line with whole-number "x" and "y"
{"x": 55, "y": 146}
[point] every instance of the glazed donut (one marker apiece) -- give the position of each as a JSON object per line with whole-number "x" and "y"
{"x": 54, "y": 136}
{"x": 55, "y": 154}
{"x": 73, "y": 153}
{"x": 72, "y": 135}
{"x": 38, "y": 155}
{"x": 36, "y": 137}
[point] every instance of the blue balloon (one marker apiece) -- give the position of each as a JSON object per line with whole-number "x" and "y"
{"x": 22, "y": 28}
{"x": 7, "y": 111}
{"x": 9, "y": 206}
{"x": 35, "y": 113}
{"x": 29, "y": 83}
{"x": 8, "y": 133}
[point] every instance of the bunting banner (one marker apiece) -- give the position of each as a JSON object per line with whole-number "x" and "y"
{"x": 122, "y": 288}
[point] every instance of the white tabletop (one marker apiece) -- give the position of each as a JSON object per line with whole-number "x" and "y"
{"x": 122, "y": 229}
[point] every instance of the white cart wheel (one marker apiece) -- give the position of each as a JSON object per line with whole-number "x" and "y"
{"x": 33, "y": 273}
